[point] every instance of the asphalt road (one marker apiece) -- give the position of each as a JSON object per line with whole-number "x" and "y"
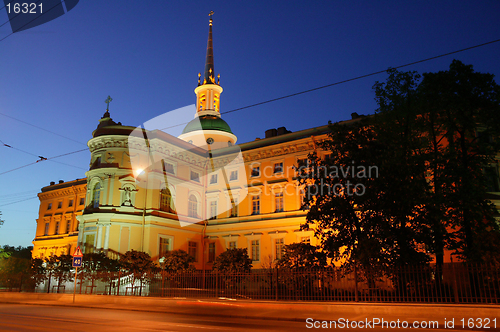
{"x": 19, "y": 317}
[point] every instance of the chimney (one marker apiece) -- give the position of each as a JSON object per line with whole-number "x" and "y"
{"x": 354, "y": 115}
{"x": 283, "y": 131}
{"x": 61, "y": 181}
{"x": 271, "y": 133}
{"x": 52, "y": 183}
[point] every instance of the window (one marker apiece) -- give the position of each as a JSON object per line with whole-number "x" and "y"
{"x": 70, "y": 203}
{"x": 256, "y": 204}
{"x": 255, "y": 171}
{"x": 192, "y": 207}
{"x": 278, "y": 199}
{"x": 233, "y": 176}
{"x": 164, "y": 246}
{"x": 46, "y": 232}
{"x": 232, "y": 244}
{"x": 280, "y": 248}
{"x": 213, "y": 210}
{"x": 168, "y": 168}
{"x": 49, "y": 207}
{"x": 302, "y": 197}
{"x": 234, "y": 208}
{"x": 255, "y": 250}
{"x": 213, "y": 179}
{"x": 278, "y": 167}
{"x": 57, "y": 228}
{"x": 305, "y": 239}
{"x": 89, "y": 244}
{"x": 166, "y": 200}
{"x": 211, "y": 252}
{"x": 195, "y": 176}
{"x": 96, "y": 195}
{"x": 59, "y": 205}
{"x": 82, "y": 200}
{"x": 68, "y": 226}
{"x": 193, "y": 250}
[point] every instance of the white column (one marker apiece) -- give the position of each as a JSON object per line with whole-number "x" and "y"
{"x": 99, "y": 236}
{"x": 106, "y": 237}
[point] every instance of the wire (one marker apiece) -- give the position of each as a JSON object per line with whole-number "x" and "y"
{"x": 29, "y": 124}
{"x": 22, "y": 200}
{"x": 348, "y": 80}
{"x": 61, "y": 155}
{"x": 41, "y": 157}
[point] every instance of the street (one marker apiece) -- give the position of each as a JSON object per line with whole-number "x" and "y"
{"x": 19, "y": 317}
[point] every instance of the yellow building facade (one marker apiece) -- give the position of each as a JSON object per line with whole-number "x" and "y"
{"x": 200, "y": 192}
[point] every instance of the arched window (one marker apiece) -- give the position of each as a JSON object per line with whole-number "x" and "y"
{"x": 96, "y": 195}
{"x": 166, "y": 200}
{"x": 193, "y": 207}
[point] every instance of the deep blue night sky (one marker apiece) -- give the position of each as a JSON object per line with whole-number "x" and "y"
{"x": 147, "y": 55}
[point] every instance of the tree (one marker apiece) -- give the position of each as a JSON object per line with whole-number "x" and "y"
{"x": 15, "y": 267}
{"x": 234, "y": 260}
{"x": 139, "y": 265}
{"x": 302, "y": 256}
{"x": 98, "y": 266}
{"x": 59, "y": 267}
{"x": 1, "y": 221}
{"x": 462, "y": 108}
{"x": 177, "y": 261}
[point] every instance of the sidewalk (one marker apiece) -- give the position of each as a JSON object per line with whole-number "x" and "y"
{"x": 275, "y": 310}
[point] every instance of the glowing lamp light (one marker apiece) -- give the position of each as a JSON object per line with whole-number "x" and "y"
{"x": 138, "y": 172}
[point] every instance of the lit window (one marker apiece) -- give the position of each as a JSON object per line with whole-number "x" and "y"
{"x": 213, "y": 210}
{"x": 164, "y": 246}
{"x": 280, "y": 248}
{"x": 232, "y": 244}
{"x": 305, "y": 239}
{"x": 192, "y": 206}
{"x": 96, "y": 195}
{"x": 234, "y": 208}
{"x": 211, "y": 252}
{"x": 193, "y": 250}
{"x": 233, "y": 176}
{"x": 195, "y": 176}
{"x": 57, "y": 227}
{"x": 278, "y": 167}
{"x": 70, "y": 203}
{"x": 278, "y": 198}
{"x": 255, "y": 171}
{"x": 46, "y": 229}
{"x": 255, "y": 250}
{"x": 213, "y": 179}
{"x": 256, "y": 204}
{"x": 49, "y": 207}
{"x": 59, "y": 205}
{"x": 166, "y": 200}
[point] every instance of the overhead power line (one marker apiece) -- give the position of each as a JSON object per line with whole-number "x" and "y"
{"x": 61, "y": 155}
{"x": 32, "y": 125}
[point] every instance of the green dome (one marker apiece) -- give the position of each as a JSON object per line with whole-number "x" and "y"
{"x": 207, "y": 122}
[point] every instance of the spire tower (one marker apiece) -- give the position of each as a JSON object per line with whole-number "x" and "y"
{"x": 207, "y": 127}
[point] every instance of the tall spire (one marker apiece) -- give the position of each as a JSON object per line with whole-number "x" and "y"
{"x": 209, "y": 77}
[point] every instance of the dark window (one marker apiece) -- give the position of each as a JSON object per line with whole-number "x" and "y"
{"x": 193, "y": 250}
{"x": 278, "y": 167}
{"x": 211, "y": 252}
{"x": 195, "y": 176}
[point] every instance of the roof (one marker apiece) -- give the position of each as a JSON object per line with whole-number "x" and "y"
{"x": 207, "y": 122}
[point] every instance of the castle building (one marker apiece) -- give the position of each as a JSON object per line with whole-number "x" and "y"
{"x": 200, "y": 192}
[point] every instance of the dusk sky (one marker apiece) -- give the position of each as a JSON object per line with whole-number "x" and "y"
{"x": 147, "y": 54}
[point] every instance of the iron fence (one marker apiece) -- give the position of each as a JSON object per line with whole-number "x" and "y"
{"x": 453, "y": 283}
